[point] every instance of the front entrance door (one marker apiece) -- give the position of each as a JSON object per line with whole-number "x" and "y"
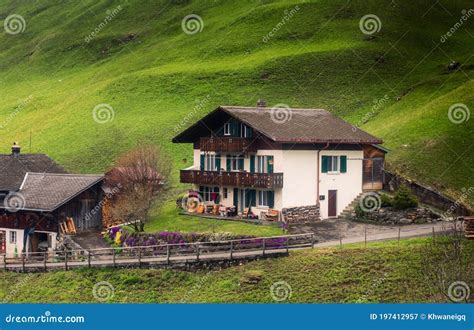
{"x": 332, "y": 203}
{"x": 3, "y": 241}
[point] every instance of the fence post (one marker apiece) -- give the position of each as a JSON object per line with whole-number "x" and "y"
{"x": 113, "y": 256}
{"x": 399, "y": 229}
{"x": 140, "y": 257}
{"x": 365, "y": 237}
{"x": 312, "y": 240}
{"x": 89, "y": 258}
{"x": 287, "y": 244}
{"x": 340, "y": 241}
{"x": 168, "y": 254}
{"x": 231, "y": 250}
{"x": 434, "y": 241}
{"x": 45, "y": 260}
{"x": 23, "y": 261}
{"x": 65, "y": 259}
{"x": 264, "y": 246}
{"x": 5, "y": 261}
{"x": 197, "y": 251}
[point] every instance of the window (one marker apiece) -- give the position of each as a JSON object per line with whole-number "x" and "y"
{"x": 264, "y": 164}
{"x": 235, "y": 163}
{"x": 209, "y": 194}
{"x": 227, "y": 129}
{"x": 226, "y": 194}
{"x": 245, "y": 131}
{"x": 333, "y": 164}
{"x": 266, "y": 198}
{"x": 12, "y": 237}
{"x": 262, "y": 198}
{"x": 210, "y": 162}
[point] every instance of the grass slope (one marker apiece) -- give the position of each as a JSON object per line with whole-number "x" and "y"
{"x": 382, "y": 272}
{"x": 318, "y": 58}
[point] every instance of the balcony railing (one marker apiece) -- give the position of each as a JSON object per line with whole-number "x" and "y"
{"x": 229, "y": 144}
{"x": 233, "y": 179}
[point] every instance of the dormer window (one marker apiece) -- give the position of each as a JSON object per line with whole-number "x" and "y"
{"x": 227, "y": 129}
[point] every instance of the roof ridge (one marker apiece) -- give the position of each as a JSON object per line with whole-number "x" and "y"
{"x": 64, "y": 174}
{"x": 268, "y": 108}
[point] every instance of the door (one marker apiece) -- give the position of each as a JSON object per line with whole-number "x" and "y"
{"x": 332, "y": 203}
{"x": 3, "y": 241}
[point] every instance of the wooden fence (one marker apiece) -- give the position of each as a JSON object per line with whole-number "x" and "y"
{"x": 165, "y": 254}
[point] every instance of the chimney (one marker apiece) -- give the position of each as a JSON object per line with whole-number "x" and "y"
{"x": 261, "y": 103}
{"x": 15, "y": 149}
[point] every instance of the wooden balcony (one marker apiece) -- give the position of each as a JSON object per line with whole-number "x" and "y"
{"x": 227, "y": 144}
{"x": 233, "y": 179}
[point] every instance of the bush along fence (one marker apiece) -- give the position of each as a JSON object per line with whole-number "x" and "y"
{"x": 159, "y": 254}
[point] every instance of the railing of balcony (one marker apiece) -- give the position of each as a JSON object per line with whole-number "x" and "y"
{"x": 229, "y": 144}
{"x": 234, "y": 179}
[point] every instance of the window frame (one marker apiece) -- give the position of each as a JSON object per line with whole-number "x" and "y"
{"x": 262, "y": 197}
{"x": 206, "y": 192}
{"x": 331, "y": 164}
{"x": 235, "y": 160}
{"x": 227, "y": 131}
{"x": 13, "y": 234}
{"x": 210, "y": 159}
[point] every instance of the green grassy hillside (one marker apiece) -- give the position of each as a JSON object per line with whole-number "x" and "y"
{"x": 142, "y": 64}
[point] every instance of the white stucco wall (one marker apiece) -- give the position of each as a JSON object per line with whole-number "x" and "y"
{"x": 348, "y": 185}
{"x": 299, "y": 169}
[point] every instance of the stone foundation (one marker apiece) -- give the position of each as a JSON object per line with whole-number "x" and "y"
{"x": 301, "y": 214}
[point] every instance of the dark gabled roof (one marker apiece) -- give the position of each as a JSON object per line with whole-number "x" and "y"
{"x": 14, "y": 168}
{"x": 48, "y": 191}
{"x": 286, "y": 125}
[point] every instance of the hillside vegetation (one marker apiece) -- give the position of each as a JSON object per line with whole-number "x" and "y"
{"x": 157, "y": 79}
{"x": 382, "y": 272}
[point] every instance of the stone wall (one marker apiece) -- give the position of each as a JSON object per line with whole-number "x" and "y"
{"x": 426, "y": 195}
{"x": 301, "y": 214}
{"x": 390, "y": 216}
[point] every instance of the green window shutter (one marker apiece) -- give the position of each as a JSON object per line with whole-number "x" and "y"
{"x": 202, "y": 162}
{"x": 270, "y": 164}
{"x": 236, "y": 198}
{"x": 218, "y": 162}
{"x": 343, "y": 161}
{"x": 271, "y": 198}
{"x": 234, "y": 128}
{"x": 252, "y": 163}
{"x": 227, "y": 158}
{"x": 250, "y": 197}
{"x": 248, "y": 131}
{"x": 241, "y": 163}
{"x": 324, "y": 164}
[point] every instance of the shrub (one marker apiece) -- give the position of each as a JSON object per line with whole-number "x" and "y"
{"x": 360, "y": 213}
{"x": 404, "y": 199}
{"x": 386, "y": 200}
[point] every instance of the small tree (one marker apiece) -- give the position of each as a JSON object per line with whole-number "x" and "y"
{"x": 404, "y": 199}
{"x": 142, "y": 176}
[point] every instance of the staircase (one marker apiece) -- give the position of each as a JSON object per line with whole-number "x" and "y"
{"x": 349, "y": 209}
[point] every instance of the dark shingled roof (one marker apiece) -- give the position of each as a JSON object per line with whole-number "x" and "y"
{"x": 289, "y": 125}
{"x": 48, "y": 191}
{"x": 300, "y": 125}
{"x": 14, "y": 168}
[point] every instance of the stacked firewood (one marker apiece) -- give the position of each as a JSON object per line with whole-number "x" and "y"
{"x": 68, "y": 227}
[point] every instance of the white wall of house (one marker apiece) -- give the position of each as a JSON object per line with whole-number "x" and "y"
{"x": 299, "y": 177}
{"x": 348, "y": 185}
{"x": 9, "y": 245}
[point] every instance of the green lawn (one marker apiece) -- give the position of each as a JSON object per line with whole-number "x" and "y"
{"x": 318, "y": 58}
{"x": 382, "y": 272}
{"x": 169, "y": 220}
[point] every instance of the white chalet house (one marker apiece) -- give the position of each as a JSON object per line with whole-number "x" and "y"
{"x": 308, "y": 163}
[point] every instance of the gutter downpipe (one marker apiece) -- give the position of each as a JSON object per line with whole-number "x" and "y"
{"x": 317, "y": 175}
